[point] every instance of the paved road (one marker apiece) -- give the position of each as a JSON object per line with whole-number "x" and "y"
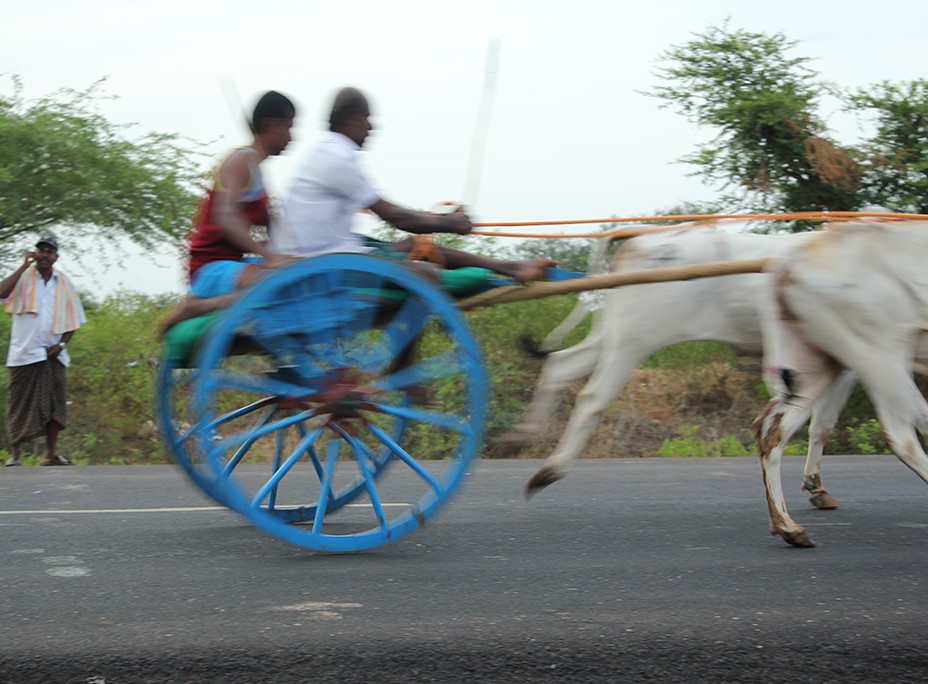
{"x": 629, "y": 570}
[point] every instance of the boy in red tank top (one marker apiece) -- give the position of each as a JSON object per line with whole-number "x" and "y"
{"x": 235, "y": 203}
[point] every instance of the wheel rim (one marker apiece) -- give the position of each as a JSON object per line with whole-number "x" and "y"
{"x": 329, "y": 409}
{"x": 175, "y": 385}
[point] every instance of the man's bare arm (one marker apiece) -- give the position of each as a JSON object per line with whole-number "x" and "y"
{"x": 421, "y": 223}
{"x": 235, "y": 175}
{"x": 8, "y": 283}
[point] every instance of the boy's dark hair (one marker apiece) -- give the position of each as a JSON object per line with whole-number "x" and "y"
{"x": 348, "y": 101}
{"x": 272, "y": 105}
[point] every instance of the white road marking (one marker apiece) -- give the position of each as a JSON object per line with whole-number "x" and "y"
{"x": 67, "y": 571}
{"x": 178, "y": 509}
{"x": 318, "y": 610}
{"x": 182, "y": 509}
{"x": 317, "y": 605}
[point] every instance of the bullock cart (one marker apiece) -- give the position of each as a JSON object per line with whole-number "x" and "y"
{"x": 303, "y": 407}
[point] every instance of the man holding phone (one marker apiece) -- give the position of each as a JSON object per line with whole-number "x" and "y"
{"x": 46, "y": 311}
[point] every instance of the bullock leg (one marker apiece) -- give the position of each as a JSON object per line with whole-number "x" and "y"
{"x": 613, "y": 368}
{"x": 786, "y": 413}
{"x": 900, "y": 408}
{"x": 886, "y": 371}
{"x": 885, "y": 366}
{"x": 772, "y": 432}
{"x": 556, "y": 337}
{"x": 560, "y": 369}
{"x": 825, "y": 415}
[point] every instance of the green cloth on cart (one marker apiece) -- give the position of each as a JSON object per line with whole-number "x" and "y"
{"x": 464, "y": 282}
{"x": 181, "y": 340}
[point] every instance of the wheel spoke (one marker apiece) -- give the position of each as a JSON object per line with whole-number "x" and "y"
{"x": 403, "y": 329}
{"x": 278, "y": 451}
{"x": 361, "y": 299}
{"x": 362, "y": 453}
{"x": 449, "y": 421}
{"x": 311, "y": 452}
{"x": 334, "y": 306}
{"x": 279, "y": 474}
{"x": 225, "y": 418}
{"x": 253, "y": 433}
{"x": 406, "y": 458}
{"x": 243, "y": 411}
{"x": 325, "y": 493}
{"x": 224, "y": 379}
{"x": 247, "y": 444}
{"x": 437, "y": 367}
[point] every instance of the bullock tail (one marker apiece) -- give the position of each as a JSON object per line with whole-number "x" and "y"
{"x": 589, "y": 301}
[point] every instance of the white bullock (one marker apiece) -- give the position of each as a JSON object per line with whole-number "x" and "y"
{"x": 852, "y": 297}
{"x": 638, "y": 320}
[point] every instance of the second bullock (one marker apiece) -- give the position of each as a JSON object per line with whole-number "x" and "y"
{"x": 853, "y": 297}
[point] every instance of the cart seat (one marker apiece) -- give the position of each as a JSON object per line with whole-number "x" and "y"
{"x": 181, "y": 341}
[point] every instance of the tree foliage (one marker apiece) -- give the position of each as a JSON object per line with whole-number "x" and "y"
{"x": 771, "y": 147}
{"x": 65, "y": 168}
{"x": 572, "y": 254}
{"x": 895, "y": 160}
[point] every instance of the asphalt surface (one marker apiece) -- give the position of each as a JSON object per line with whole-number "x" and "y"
{"x": 655, "y": 570}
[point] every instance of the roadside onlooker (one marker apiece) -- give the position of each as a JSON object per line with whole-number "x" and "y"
{"x": 46, "y": 311}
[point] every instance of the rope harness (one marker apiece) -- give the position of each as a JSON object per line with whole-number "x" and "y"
{"x": 426, "y": 249}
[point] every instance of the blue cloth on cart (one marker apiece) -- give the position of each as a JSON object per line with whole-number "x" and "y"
{"x": 219, "y": 277}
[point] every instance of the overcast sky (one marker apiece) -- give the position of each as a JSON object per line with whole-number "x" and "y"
{"x": 570, "y": 133}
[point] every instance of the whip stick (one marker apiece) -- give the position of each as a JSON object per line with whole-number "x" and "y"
{"x": 478, "y": 144}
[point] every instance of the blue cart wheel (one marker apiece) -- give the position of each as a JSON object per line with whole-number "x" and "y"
{"x": 356, "y": 412}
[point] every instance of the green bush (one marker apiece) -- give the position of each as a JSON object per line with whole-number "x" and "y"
{"x": 689, "y": 355}
{"x": 867, "y": 437}
{"x": 699, "y": 393}
{"x": 691, "y": 445}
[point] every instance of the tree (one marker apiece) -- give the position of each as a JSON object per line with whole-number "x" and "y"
{"x": 65, "y": 168}
{"x": 895, "y": 164}
{"x": 771, "y": 145}
{"x": 572, "y": 254}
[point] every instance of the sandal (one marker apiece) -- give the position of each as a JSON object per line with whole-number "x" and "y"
{"x": 57, "y": 461}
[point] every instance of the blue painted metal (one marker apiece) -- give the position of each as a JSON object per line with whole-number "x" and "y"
{"x": 554, "y": 274}
{"x": 326, "y": 406}
{"x": 557, "y": 274}
{"x": 172, "y": 389}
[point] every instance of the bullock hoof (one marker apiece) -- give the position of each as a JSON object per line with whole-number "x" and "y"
{"x": 540, "y": 480}
{"x": 824, "y": 501}
{"x": 800, "y": 539}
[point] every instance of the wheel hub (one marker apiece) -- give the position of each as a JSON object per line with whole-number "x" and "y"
{"x": 344, "y": 400}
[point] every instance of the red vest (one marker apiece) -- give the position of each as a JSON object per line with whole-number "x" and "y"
{"x": 206, "y": 241}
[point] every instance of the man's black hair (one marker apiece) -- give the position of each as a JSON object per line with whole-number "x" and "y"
{"x": 348, "y": 101}
{"x": 272, "y": 105}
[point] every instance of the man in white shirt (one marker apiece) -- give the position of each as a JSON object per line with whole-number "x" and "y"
{"x": 46, "y": 311}
{"x": 330, "y": 188}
